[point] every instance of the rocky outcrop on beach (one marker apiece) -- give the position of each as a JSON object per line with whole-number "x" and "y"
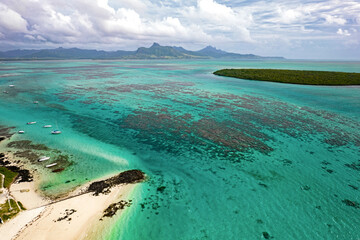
{"x": 114, "y": 207}
{"x": 104, "y": 186}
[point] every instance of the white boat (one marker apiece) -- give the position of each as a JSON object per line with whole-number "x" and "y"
{"x": 6, "y": 92}
{"x": 11, "y": 85}
{"x": 43, "y": 158}
{"x": 21, "y": 132}
{"x": 47, "y": 126}
{"x": 35, "y": 102}
{"x": 51, "y": 165}
{"x": 30, "y": 123}
{"x": 56, "y": 132}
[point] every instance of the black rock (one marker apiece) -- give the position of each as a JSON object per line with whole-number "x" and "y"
{"x": 24, "y": 175}
{"x": 263, "y": 185}
{"x": 266, "y": 235}
{"x": 130, "y": 176}
{"x": 354, "y": 165}
{"x": 351, "y": 203}
{"x": 353, "y": 187}
{"x": 114, "y": 207}
{"x": 161, "y": 189}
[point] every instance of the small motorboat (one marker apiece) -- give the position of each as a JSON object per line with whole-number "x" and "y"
{"x": 58, "y": 170}
{"x": 30, "y": 123}
{"x": 43, "y": 158}
{"x": 6, "y": 92}
{"x": 36, "y": 102}
{"x": 56, "y": 132}
{"x": 11, "y": 85}
{"x": 21, "y": 132}
{"x": 47, "y": 126}
{"x": 51, "y": 165}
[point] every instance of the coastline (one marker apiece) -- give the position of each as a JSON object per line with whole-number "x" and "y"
{"x": 74, "y": 218}
{"x": 77, "y": 215}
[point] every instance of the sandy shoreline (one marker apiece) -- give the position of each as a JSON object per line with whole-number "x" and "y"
{"x": 73, "y": 217}
{"x": 89, "y": 209}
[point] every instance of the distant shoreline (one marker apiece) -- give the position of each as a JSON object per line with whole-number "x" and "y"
{"x": 302, "y": 77}
{"x": 156, "y": 51}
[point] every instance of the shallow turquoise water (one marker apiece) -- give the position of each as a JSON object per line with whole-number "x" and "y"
{"x": 226, "y": 158}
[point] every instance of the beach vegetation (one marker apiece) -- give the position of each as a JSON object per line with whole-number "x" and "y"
{"x": 21, "y": 205}
{"x": 8, "y": 210}
{"x": 9, "y": 176}
{"x": 293, "y": 76}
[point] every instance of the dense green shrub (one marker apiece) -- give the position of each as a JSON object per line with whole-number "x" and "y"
{"x": 293, "y": 76}
{"x": 9, "y": 176}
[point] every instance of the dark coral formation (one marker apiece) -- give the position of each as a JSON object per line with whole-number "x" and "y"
{"x": 354, "y": 165}
{"x": 24, "y": 175}
{"x": 5, "y": 132}
{"x": 63, "y": 161}
{"x": 28, "y": 154}
{"x": 27, "y": 144}
{"x": 231, "y": 136}
{"x": 266, "y": 235}
{"x": 353, "y": 187}
{"x": 351, "y": 203}
{"x": 306, "y": 188}
{"x": 161, "y": 189}
{"x": 32, "y": 152}
{"x": 104, "y": 186}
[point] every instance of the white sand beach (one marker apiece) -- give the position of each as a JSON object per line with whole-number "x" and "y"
{"x": 50, "y": 220}
{"x": 75, "y": 216}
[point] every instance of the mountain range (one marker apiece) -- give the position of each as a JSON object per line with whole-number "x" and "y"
{"x": 156, "y": 51}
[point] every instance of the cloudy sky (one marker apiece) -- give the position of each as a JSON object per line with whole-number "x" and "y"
{"x": 306, "y": 29}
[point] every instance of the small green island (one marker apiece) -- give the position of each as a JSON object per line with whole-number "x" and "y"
{"x": 294, "y": 76}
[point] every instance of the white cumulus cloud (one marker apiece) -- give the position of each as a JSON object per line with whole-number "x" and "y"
{"x": 334, "y": 20}
{"x": 343, "y": 32}
{"x": 12, "y": 21}
{"x": 237, "y": 25}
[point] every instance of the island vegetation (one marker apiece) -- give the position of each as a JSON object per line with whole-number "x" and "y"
{"x": 293, "y": 76}
{"x": 9, "y": 177}
{"x": 9, "y": 208}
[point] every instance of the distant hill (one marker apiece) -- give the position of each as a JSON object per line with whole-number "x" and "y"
{"x": 217, "y": 53}
{"x": 156, "y": 51}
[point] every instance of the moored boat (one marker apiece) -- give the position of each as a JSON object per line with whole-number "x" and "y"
{"x": 51, "y": 165}
{"x": 30, "y": 123}
{"x": 47, "y": 126}
{"x": 21, "y": 132}
{"x": 56, "y": 132}
{"x": 35, "y": 102}
{"x": 43, "y": 158}
{"x": 58, "y": 170}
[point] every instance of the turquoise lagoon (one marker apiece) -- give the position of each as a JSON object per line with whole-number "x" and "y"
{"x": 225, "y": 158}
